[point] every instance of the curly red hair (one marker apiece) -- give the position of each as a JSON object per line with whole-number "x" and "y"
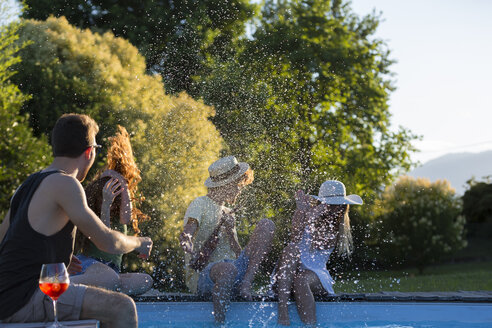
{"x": 120, "y": 159}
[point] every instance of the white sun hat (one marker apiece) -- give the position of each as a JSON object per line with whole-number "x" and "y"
{"x": 333, "y": 192}
{"x": 225, "y": 170}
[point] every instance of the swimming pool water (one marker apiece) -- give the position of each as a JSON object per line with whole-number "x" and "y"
{"x": 329, "y": 314}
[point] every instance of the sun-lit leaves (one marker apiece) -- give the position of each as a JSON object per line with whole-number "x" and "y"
{"x": 20, "y": 152}
{"x": 174, "y": 36}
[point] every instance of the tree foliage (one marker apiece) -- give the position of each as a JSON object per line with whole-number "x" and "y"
{"x": 20, "y": 152}
{"x": 104, "y": 76}
{"x": 419, "y": 222}
{"x": 176, "y": 37}
{"x": 477, "y": 202}
{"x": 305, "y": 100}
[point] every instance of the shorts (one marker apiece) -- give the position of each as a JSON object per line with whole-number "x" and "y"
{"x": 40, "y": 306}
{"x": 87, "y": 261}
{"x": 205, "y": 283}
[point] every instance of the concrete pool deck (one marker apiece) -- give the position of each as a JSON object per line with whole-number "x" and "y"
{"x": 458, "y": 296}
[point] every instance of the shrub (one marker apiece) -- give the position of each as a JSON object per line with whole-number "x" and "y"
{"x": 477, "y": 202}
{"x": 418, "y": 222}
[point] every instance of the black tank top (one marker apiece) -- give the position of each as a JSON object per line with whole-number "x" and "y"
{"x": 23, "y": 250}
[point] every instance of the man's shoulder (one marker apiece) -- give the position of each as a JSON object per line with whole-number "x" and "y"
{"x": 60, "y": 176}
{"x": 61, "y": 181}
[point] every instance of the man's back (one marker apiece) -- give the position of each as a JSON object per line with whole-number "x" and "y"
{"x": 24, "y": 249}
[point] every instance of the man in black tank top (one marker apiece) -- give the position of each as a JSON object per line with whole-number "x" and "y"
{"x": 40, "y": 228}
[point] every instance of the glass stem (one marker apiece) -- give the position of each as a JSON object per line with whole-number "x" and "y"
{"x": 54, "y": 309}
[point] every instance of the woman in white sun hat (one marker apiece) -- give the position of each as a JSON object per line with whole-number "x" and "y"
{"x": 319, "y": 225}
{"x": 216, "y": 266}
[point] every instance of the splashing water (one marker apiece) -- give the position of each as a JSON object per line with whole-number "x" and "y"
{"x": 257, "y": 320}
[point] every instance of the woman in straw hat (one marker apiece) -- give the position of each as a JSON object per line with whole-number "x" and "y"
{"x": 216, "y": 266}
{"x": 319, "y": 225}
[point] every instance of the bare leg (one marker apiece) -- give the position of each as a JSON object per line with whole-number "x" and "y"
{"x": 112, "y": 309}
{"x": 304, "y": 283}
{"x": 223, "y": 275}
{"x": 135, "y": 283}
{"x": 99, "y": 275}
{"x": 286, "y": 270}
{"x": 259, "y": 245}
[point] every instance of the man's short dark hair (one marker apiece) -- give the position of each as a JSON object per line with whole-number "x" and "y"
{"x": 72, "y": 134}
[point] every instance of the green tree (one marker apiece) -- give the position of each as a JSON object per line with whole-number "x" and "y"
{"x": 305, "y": 100}
{"x": 20, "y": 152}
{"x": 104, "y": 76}
{"x": 176, "y": 37}
{"x": 419, "y": 222}
{"x": 477, "y": 202}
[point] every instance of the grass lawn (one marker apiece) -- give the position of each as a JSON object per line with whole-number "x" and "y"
{"x": 470, "y": 276}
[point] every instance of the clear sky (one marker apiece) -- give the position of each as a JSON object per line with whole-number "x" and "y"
{"x": 443, "y": 72}
{"x": 9, "y": 10}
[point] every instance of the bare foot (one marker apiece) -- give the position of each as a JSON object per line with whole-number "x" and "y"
{"x": 245, "y": 290}
{"x": 219, "y": 318}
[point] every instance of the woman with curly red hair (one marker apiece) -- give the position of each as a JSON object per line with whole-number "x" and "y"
{"x": 112, "y": 195}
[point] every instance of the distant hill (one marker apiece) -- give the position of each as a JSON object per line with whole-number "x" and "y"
{"x": 456, "y": 168}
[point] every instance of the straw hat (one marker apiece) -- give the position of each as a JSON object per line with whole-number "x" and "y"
{"x": 225, "y": 170}
{"x": 333, "y": 192}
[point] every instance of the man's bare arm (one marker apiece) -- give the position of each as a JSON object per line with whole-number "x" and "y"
{"x": 5, "y": 225}
{"x": 71, "y": 197}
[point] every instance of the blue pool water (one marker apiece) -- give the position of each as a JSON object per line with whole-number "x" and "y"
{"x": 329, "y": 314}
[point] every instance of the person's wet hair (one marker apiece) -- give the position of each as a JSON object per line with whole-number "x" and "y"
{"x": 121, "y": 160}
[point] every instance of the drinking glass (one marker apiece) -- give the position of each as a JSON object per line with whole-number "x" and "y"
{"x": 54, "y": 281}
